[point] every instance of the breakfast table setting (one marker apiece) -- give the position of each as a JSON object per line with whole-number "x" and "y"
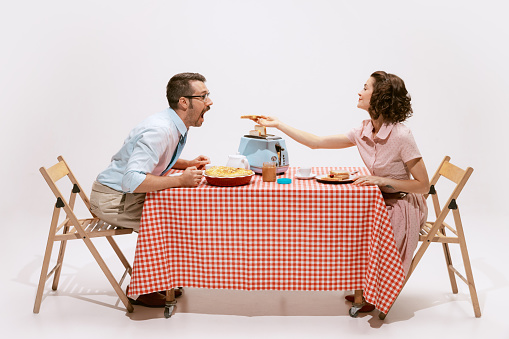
{"x": 260, "y": 224}
{"x": 301, "y": 236}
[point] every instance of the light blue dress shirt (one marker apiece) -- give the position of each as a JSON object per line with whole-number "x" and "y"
{"x": 151, "y": 147}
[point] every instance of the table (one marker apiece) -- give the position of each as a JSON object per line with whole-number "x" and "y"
{"x": 303, "y": 236}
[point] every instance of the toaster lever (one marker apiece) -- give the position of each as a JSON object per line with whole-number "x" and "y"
{"x": 278, "y": 150}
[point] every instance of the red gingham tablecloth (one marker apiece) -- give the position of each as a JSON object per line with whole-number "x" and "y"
{"x": 304, "y": 236}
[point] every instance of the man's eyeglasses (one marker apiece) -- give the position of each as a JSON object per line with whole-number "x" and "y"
{"x": 204, "y": 97}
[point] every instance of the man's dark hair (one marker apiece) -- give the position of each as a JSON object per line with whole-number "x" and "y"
{"x": 180, "y": 86}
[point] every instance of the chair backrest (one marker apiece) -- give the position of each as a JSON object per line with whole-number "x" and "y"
{"x": 57, "y": 172}
{"x": 455, "y": 174}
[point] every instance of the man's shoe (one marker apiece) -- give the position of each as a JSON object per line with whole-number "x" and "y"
{"x": 350, "y": 298}
{"x": 154, "y": 299}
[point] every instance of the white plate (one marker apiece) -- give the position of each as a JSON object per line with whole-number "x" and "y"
{"x": 311, "y": 176}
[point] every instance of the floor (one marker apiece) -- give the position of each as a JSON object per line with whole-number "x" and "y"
{"x": 86, "y": 306}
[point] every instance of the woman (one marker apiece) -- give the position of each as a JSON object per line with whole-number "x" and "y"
{"x": 388, "y": 150}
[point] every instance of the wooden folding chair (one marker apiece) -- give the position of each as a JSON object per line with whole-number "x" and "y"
{"x": 72, "y": 228}
{"x": 435, "y": 231}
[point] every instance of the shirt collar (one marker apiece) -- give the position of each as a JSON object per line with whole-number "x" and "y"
{"x": 384, "y": 131}
{"x": 177, "y": 121}
{"x": 382, "y": 134}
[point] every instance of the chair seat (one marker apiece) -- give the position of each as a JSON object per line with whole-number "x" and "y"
{"x": 93, "y": 227}
{"x": 438, "y": 237}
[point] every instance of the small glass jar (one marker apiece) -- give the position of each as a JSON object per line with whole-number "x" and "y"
{"x": 269, "y": 171}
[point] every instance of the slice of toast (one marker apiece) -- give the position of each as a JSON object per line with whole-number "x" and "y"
{"x": 252, "y": 117}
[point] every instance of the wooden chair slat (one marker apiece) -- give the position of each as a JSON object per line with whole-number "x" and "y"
{"x": 450, "y": 228}
{"x": 73, "y": 236}
{"x": 102, "y": 226}
{"x": 57, "y": 171}
{"x": 440, "y": 239}
{"x": 453, "y": 269}
{"x": 89, "y": 225}
{"x": 452, "y": 172}
{"x": 53, "y": 270}
{"x": 66, "y": 220}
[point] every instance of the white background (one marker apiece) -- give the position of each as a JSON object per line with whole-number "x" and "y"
{"x": 76, "y": 76}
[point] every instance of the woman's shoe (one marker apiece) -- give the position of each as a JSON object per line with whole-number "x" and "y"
{"x": 365, "y": 309}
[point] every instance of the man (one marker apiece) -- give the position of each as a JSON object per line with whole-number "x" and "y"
{"x": 151, "y": 149}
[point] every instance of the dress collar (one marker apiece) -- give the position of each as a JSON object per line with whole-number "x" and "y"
{"x": 382, "y": 134}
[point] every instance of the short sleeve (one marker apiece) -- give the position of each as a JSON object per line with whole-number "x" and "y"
{"x": 354, "y": 134}
{"x": 409, "y": 149}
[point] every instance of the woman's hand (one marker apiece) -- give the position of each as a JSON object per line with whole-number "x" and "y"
{"x": 369, "y": 180}
{"x": 419, "y": 184}
{"x": 269, "y": 122}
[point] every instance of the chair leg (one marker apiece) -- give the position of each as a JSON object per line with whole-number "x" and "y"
{"x": 60, "y": 261}
{"x": 43, "y": 277}
{"x": 108, "y": 274}
{"x": 466, "y": 263}
{"x": 170, "y": 304}
{"x": 120, "y": 254}
{"x": 448, "y": 262}
{"x": 45, "y": 263}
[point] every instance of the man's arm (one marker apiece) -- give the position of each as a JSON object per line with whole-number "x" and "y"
{"x": 145, "y": 156}
{"x": 190, "y": 178}
{"x": 199, "y": 163}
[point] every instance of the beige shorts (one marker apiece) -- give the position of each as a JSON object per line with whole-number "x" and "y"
{"x": 116, "y": 208}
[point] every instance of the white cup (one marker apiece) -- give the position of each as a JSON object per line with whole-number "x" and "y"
{"x": 304, "y": 171}
{"x": 237, "y": 161}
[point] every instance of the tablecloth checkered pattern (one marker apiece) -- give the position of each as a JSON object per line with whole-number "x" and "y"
{"x": 267, "y": 236}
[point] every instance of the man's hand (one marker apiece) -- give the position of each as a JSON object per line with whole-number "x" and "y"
{"x": 191, "y": 177}
{"x": 199, "y": 162}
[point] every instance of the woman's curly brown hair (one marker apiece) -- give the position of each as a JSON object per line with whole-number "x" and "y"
{"x": 390, "y": 99}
